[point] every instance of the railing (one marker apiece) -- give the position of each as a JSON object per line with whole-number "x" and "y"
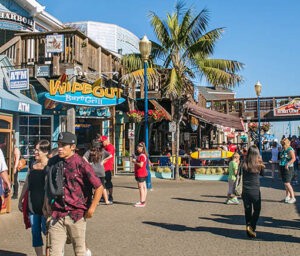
{"x": 243, "y": 106}
{"x": 187, "y": 165}
{"x": 30, "y": 48}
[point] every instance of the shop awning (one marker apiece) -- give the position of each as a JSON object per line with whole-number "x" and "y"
{"x": 17, "y": 102}
{"x": 215, "y": 117}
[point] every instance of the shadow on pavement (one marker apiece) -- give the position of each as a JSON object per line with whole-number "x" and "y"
{"x": 123, "y": 203}
{"x": 224, "y": 197}
{"x": 7, "y": 253}
{"x": 229, "y": 233}
{"x": 125, "y": 187}
{"x": 198, "y": 201}
{"x": 263, "y": 221}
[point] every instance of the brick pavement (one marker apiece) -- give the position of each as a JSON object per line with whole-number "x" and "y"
{"x": 181, "y": 218}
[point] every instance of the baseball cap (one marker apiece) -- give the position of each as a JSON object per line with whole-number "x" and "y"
{"x": 103, "y": 138}
{"x": 67, "y": 137}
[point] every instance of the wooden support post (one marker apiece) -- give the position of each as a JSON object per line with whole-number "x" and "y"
{"x": 85, "y": 54}
{"x": 71, "y": 114}
{"x": 227, "y": 107}
{"x": 98, "y": 64}
{"x": 19, "y": 52}
{"x": 55, "y": 61}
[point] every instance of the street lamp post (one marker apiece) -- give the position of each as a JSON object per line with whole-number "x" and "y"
{"x": 145, "y": 49}
{"x": 257, "y": 87}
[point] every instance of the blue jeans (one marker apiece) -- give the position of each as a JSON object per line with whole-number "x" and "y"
{"x": 38, "y": 225}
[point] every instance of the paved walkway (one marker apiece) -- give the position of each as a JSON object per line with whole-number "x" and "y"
{"x": 181, "y": 218}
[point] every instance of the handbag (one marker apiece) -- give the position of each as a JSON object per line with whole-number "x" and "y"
{"x": 21, "y": 164}
{"x": 238, "y": 183}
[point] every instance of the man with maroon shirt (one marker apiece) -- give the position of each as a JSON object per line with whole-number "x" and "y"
{"x": 70, "y": 182}
{"x": 108, "y": 166}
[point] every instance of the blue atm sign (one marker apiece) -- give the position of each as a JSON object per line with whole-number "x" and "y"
{"x": 19, "y": 79}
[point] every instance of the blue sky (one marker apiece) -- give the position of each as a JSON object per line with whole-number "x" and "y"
{"x": 263, "y": 34}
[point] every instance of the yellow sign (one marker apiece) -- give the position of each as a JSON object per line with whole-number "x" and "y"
{"x": 83, "y": 88}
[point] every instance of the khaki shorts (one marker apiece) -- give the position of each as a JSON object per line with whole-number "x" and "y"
{"x": 60, "y": 229}
{"x": 230, "y": 186}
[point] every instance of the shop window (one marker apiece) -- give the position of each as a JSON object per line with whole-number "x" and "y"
{"x": 4, "y": 124}
{"x": 33, "y": 129}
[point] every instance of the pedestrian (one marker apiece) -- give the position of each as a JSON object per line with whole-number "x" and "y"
{"x": 108, "y": 166}
{"x": 140, "y": 172}
{"x": 252, "y": 168}
{"x": 97, "y": 157}
{"x": 17, "y": 155}
{"x": 3, "y": 178}
{"x": 232, "y": 169}
{"x": 35, "y": 184}
{"x": 286, "y": 165}
{"x": 274, "y": 159}
{"x": 70, "y": 184}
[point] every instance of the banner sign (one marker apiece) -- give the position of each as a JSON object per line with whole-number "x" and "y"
{"x": 13, "y": 17}
{"x": 42, "y": 71}
{"x": 19, "y": 79}
{"x": 54, "y": 43}
{"x": 290, "y": 109}
{"x": 84, "y": 94}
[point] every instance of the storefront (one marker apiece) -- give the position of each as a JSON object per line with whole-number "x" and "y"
{"x": 94, "y": 109}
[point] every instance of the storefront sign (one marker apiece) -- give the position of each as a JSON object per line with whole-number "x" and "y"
{"x": 210, "y": 154}
{"x": 24, "y": 107}
{"x": 83, "y": 94}
{"x": 194, "y": 123}
{"x": 290, "y": 109}
{"x": 42, "y": 70}
{"x": 54, "y": 43}
{"x": 84, "y": 126}
{"x": 172, "y": 127}
{"x": 10, "y": 16}
{"x": 19, "y": 79}
{"x": 130, "y": 133}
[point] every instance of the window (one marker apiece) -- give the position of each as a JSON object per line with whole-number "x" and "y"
{"x": 33, "y": 129}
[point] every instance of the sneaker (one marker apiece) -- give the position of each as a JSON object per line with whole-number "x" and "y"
{"x": 102, "y": 200}
{"x": 230, "y": 201}
{"x": 109, "y": 203}
{"x": 235, "y": 200}
{"x": 291, "y": 201}
{"x": 88, "y": 252}
{"x": 139, "y": 204}
{"x": 110, "y": 198}
{"x": 287, "y": 199}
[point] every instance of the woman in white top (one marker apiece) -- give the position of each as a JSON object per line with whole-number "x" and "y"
{"x": 274, "y": 160}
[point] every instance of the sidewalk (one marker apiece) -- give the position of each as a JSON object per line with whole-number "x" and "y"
{"x": 181, "y": 218}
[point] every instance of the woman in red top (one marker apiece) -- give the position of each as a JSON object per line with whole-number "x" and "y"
{"x": 140, "y": 173}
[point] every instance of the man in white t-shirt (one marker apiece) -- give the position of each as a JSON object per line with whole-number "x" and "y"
{"x": 3, "y": 175}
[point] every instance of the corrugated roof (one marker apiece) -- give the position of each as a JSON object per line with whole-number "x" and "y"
{"x": 209, "y": 93}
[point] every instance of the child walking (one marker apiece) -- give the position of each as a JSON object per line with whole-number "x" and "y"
{"x": 140, "y": 173}
{"x": 233, "y": 169}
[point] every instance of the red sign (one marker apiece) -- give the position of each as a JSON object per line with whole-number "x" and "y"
{"x": 290, "y": 109}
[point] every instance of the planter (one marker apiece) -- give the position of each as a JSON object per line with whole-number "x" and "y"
{"x": 161, "y": 175}
{"x": 211, "y": 177}
{"x": 137, "y": 119}
{"x": 152, "y": 120}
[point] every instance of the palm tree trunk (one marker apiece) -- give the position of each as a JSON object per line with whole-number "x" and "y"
{"x": 176, "y": 174}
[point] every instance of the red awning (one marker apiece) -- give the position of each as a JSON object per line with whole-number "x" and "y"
{"x": 215, "y": 117}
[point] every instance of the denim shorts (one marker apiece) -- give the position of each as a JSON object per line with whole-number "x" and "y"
{"x": 38, "y": 225}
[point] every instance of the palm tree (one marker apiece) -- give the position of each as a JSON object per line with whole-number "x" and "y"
{"x": 184, "y": 49}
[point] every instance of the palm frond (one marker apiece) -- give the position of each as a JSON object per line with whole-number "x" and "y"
{"x": 160, "y": 29}
{"x": 218, "y": 77}
{"x": 137, "y": 77}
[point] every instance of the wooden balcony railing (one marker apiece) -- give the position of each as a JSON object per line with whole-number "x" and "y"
{"x": 30, "y": 49}
{"x": 248, "y": 107}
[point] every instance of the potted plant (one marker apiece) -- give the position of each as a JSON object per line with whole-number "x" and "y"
{"x": 136, "y": 116}
{"x": 162, "y": 172}
{"x": 265, "y": 127}
{"x": 211, "y": 173}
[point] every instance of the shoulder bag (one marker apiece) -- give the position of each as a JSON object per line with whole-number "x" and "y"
{"x": 238, "y": 183}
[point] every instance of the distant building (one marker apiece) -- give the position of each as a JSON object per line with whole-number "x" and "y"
{"x": 212, "y": 93}
{"x": 24, "y": 16}
{"x": 110, "y": 36}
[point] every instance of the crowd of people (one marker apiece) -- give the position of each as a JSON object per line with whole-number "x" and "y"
{"x": 63, "y": 189}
